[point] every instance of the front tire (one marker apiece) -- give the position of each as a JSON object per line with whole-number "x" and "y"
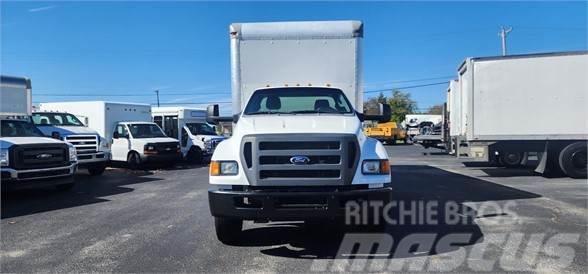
{"x": 227, "y": 230}
{"x": 133, "y": 160}
{"x": 195, "y": 155}
{"x": 572, "y": 160}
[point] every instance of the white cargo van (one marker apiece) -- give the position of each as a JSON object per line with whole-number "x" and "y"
{"x": 298, "y": 151}
{"x": 127, "y": 126}
{"x": 198, "y": 139}
{"x": 93, "y": 150}
{"x": 513, "y": 105}
{"x": 27, "y": 158}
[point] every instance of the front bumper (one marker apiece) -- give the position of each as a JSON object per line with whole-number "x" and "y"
{"x": 281, "y": 204}
{"x": 92, "y": 159}
{"x": 38, "y": 177}
{"x": 158, "y": 158}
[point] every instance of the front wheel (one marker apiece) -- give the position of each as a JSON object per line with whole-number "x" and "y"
{"x": 133, "y": 160}
{"x": 227, "y": 230}
{"x": 511, "y": 159}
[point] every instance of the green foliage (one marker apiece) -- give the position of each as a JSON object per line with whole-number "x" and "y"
{"x": 401, "y": 104}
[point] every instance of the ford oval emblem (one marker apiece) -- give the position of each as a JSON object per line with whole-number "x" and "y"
{"x": 300, "y": 160}
{"x": 44, "y": 156}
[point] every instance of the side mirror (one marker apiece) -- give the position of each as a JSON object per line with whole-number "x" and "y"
{"x": 236, "y": 118}
{"x": 385, "y": 113}
{"x": 115, "y": 135}
{"x": 55, "y": 135}
{"x": 212, "y": 114}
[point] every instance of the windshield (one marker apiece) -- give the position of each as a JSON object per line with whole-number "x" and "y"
{"x": 139, "y": 131}
{"x": 19, "y": 129}
{"x": 201, "y": 129}
{"x": 56, "y": 119}
{"x": 298, "y": 101}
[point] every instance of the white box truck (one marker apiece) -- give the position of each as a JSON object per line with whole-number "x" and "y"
{"x": 93, "y": 150}
{"x": 198, "y": 138}
{"x": 298, "y": 151}
{"x": 27, "y": 158}
{"x": 513, "y": 105}
{"x": 128, "y": 128}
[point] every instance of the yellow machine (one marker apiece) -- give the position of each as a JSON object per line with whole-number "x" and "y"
{"x": 387, "y": 132}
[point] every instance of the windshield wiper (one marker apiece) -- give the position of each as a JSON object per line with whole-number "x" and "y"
{"x": 265, "y": 112}
{"x": 313, "y": 111}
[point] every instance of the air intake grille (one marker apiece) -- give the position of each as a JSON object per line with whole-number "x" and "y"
{"x": 300, "y": 159}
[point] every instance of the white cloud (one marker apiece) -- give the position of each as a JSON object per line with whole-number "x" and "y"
{"x": 39, "y": 9}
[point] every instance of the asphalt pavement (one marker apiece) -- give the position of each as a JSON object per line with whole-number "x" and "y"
{"x": 159, "y": 221}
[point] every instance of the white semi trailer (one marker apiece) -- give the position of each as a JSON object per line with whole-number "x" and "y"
{"x": 298, "y": 151}
{"x": 510, "y": 106}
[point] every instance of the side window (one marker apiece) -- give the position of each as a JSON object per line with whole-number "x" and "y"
{"x": 184, "y": 139}
{"x": 122, "y": 131}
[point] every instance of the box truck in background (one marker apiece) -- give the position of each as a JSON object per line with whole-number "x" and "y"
{"x": 514, "y": 105}
{"x": 298, "y": 151}
{"x": 198, "y": 139}
{"x": 127, "y": 126}
{"x": 27, "y": 158}
{"x": 93, "y": 150}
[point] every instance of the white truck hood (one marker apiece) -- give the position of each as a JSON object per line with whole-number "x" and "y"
{"x": 7, "y": 142}
{"x": 156, "y": 140}
{"x": 66, "y": 130}
{"x": 323, "y": 123}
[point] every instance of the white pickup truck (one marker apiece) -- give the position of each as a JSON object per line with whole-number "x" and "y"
{"x": 93, "y": 150}
{"x": 27, "y": 158}
{"x": 298, "y": 151}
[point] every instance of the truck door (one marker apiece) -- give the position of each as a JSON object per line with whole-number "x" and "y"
{"x": 121, "y": 145}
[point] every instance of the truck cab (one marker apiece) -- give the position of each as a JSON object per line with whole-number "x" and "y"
{"x": 93, "y": 150}
{"x": 143, "y": 142}
{"x": 298, "y": 151}
{"x": 27, "y": 157}
{"x": 197, "y": 137}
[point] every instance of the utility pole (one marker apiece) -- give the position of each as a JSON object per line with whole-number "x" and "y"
{"x": 503, "y": 33}
{"x": 157, "y": 92}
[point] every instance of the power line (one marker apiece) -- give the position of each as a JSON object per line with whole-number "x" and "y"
{"x": 407, "y": 87}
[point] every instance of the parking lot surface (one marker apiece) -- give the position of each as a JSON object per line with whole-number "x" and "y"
{"x": 159, "y": 221}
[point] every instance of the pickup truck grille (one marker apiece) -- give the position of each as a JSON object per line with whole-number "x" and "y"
{"x": 327, "y": 159}
{"x": 166, "y": 148}
{"x": 84, "y": 144}
{"x": 39, "y": 156}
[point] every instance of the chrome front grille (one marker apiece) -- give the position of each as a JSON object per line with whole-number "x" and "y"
{"x": 300, "y": 159}
{"x": 84, "y": 144}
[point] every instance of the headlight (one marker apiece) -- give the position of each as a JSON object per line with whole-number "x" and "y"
{"x": 103, "y": 143}
{"x": 73, "y": 155}
{"x": 221, "y": 168}
{"x": 4, "y": 157}
{"x": 375, "y": 167}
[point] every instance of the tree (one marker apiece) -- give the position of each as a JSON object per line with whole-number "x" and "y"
{"x": 401, "y": 104}
{"x": 436, "y": 109}
{"x": 371, "y": 106}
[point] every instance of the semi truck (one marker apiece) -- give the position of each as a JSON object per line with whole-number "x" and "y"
{"x": 198, "y": 139}
{"x": 298, "y": 151}
{"x": 93, "y": 150}
{"x": 133, "y": 138}
{"x": 512, "y": 106}
{"x": 27, "y": 157}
